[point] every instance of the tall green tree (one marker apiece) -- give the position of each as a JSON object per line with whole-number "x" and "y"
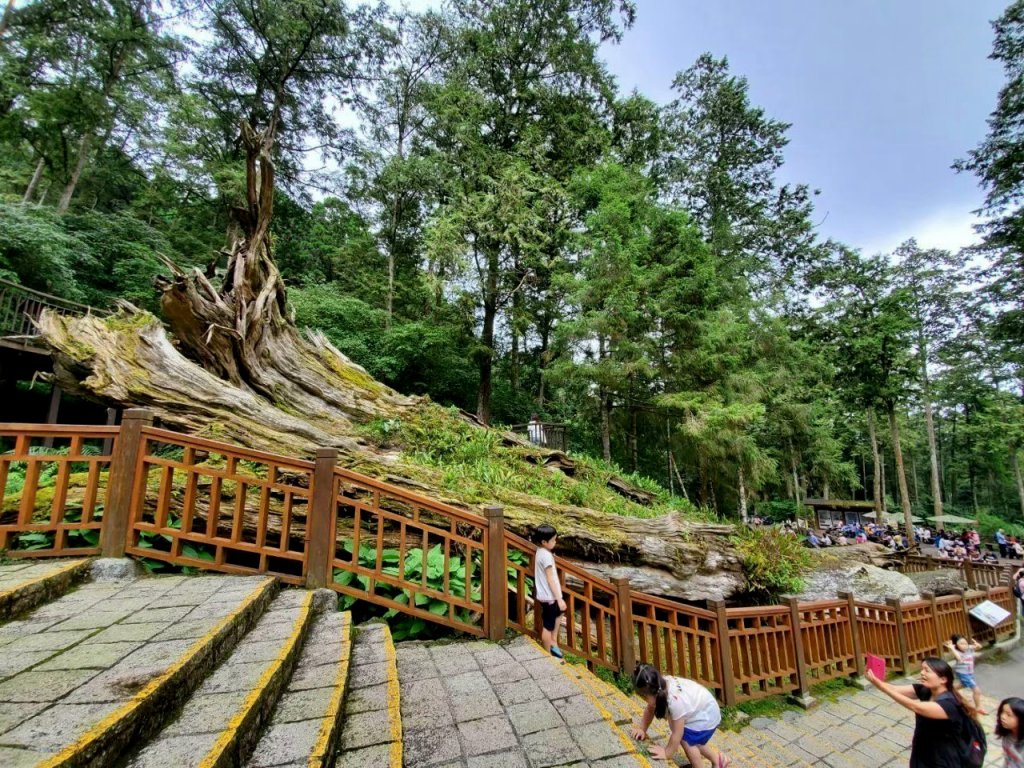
{"x": 998, "y": 162}
{"x": 871, "y": 332}
{"x": 931, "y": 280}
{"x": 519, "y": 110}
{"x": 720, "y": 162}
{"x": 80, "y": 76}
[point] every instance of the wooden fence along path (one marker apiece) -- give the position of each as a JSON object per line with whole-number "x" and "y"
{"x": 188, "y": 501}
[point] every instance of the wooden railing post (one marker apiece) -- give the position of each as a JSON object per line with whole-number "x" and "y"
{"x": 858, "y": 653}
{"x": 901, "y": 633}
{"x": 323, "y": 519}
{"x": 963, "y": 607}
{"x": 930, "y": 597}
{"x": 496, "y": 607}
{"x": 124, "y": 465}
{"x": 969, "y": 576}
{"x": 802, "y": 694}
{"x": 627, "y": 653}
{"x": 725, "y": 651}
{"x": 1014, "y": 600}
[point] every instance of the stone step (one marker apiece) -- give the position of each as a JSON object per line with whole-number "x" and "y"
{"x": 304, "y": 728}
{"x": 371, "y": 732}
{"x": 26, "y": 585}
{"x": 221, "y": 723}
{"x": 97, "y": 669}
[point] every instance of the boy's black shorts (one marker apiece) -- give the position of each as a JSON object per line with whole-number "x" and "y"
{"x": 549, "y": 613}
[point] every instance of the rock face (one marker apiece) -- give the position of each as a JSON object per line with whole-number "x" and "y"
{"x": 867, "y": 582}
{"x": 943, "y": 581}
{"x": 711, "y": 585}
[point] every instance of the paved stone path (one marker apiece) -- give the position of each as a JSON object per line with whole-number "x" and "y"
{"x": 483, "y": 705}
{"x": 861, "y": 729}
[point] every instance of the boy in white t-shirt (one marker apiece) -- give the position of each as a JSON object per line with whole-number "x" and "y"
{"x": 691, "y": 710}
{"x": 548, "y": 588}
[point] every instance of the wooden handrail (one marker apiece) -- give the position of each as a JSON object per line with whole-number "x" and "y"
{"x": 238, "y": 519}
{"x": 50, "y": 299}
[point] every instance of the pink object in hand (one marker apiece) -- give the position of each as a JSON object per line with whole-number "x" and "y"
{"x": 876, "y": 664}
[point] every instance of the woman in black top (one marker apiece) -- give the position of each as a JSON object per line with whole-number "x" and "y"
{"x": 939, "y": 714}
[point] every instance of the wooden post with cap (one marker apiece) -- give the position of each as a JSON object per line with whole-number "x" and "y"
{"x": 496, "y": 606}
{"x": 322, "y": 523}
{"x": 627, "y": 653}
{"x": 124, "y": 469}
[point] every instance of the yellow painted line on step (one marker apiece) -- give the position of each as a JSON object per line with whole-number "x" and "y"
{"x": 229, "y": 734}
{"x": 132, "y": 704}
{"x": 323, "y": 741}
{"x": 627, "y": 742}
{"x": 72, "y": 566}
{"x": 394, "y": 701}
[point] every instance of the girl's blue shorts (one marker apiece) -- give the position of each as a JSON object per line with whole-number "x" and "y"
{"x": 697, "y": 738}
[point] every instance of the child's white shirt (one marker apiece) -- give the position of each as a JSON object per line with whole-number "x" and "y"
{"x": 542, "y": 561}
{"x": 694, "y": 702}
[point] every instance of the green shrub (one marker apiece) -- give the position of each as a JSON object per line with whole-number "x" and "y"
{"x": 773, "y": 562}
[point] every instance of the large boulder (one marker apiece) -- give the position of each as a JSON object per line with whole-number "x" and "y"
{"x": 867, "y": 582}
{"x": 719, "y": 583}
{"x": 943, "y": 581}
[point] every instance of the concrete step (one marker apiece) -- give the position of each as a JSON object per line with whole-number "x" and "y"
{"x": 304, "y": 728}
{"x": 98, "y": 669}
{"x": 222, "y": 721}
{"x": 371, "y": 733}
{"x": 26, "y": 585}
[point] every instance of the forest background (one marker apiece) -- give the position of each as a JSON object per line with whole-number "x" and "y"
{"x": 470, "y": 208}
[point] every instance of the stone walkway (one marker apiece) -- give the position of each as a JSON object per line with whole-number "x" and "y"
{"x": 860, "y": 729}
{"x": 483, "y": 705}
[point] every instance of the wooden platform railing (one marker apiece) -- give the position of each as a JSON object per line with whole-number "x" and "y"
{"x": 201, "y": 503}
{"x": 20, "y": 307}
{"x": 977, "y": 575}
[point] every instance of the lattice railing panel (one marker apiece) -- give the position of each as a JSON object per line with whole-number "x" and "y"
{"x": 677, "y": 639}
{"x": 54, "y": 486}
{"x": 205, "y": 504}
{"x": 763, "y": 651}
{"x": 409, "y": 553}
{"x": 827, "y": 639}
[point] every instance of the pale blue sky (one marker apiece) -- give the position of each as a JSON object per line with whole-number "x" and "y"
{"x": 883, "y": 95}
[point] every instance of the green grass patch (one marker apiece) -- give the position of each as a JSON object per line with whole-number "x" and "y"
{"x": 476, "y": 465}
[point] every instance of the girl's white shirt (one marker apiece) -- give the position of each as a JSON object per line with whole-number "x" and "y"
{"x": 692, "y": 701}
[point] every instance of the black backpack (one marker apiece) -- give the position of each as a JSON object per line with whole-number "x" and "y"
{"x": 972, "y": 744}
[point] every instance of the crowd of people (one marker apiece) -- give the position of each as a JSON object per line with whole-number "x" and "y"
{"x": 959, "y": 546}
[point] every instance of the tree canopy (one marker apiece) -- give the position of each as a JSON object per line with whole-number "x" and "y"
{"x": 467, "y": 205}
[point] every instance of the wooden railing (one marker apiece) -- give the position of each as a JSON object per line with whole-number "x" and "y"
{"x": 977, "y": 575}
{"x": 677, "y": 639}
{"x": 53, "y": 482}
{"x": 204, "y": 504}
{"x": 20, "y": 307}
{"x": 198, "y": 503}
{"x": 590, "y": 628}
{"x": 409, "y": 553}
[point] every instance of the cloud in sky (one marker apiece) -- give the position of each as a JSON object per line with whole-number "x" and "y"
{"x": 949, "y": 228}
